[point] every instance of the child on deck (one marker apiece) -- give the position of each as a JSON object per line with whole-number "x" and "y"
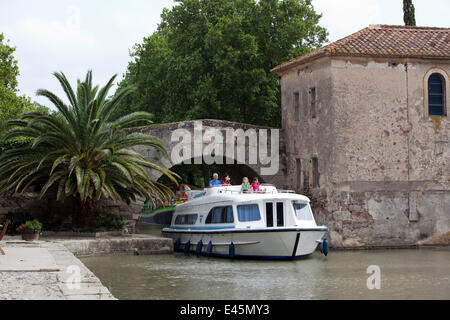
{"x": 246, "y": 186}
{"x": 256, "y": 186}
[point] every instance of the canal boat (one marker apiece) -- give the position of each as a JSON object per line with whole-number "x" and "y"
{"x": 225, "y": 222}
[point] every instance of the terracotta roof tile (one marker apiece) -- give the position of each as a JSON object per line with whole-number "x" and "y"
{"x": 384, "y": 41}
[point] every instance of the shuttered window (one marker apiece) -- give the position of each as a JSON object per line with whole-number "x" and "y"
{"x": 316, "y": 174}
{"x": 313, "y": 97}
{"x": 436, "y": 95}
{"x": 297, "y": 106}
{"x": 299, "y": 173}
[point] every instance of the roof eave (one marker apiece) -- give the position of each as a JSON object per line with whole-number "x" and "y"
{"x": 282, "y": 68}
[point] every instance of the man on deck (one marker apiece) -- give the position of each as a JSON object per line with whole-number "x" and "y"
{"x": 215, "y": 182}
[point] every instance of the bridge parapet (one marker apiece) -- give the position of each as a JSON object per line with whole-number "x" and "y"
{"x": 222, "y": 143}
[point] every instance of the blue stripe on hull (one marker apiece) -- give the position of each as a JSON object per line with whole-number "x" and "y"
{"x": 201, "y": 228}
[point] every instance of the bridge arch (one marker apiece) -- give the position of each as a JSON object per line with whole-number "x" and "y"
{"x": 200, "y": 175}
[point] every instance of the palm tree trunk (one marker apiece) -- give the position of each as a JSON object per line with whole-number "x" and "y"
{"x": 83, "y": 215}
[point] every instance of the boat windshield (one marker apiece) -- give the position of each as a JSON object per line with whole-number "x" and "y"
{"x": 302, "y": 211}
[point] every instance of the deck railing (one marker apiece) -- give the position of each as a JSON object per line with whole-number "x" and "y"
{"x": 269, "y": 189}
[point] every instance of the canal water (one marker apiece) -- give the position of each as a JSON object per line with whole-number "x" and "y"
{"x": 404, "y": 274}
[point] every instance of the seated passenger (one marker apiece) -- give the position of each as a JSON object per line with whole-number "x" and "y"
{"x": 256, "y": 186}
{"x": 226, "y": 181}
{"x": 246, "y": 186}
{"x": 215, "y": 182}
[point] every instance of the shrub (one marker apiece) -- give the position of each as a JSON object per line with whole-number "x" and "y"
{"x": 103, "y": 222}
{"x": 32, "y": 226}
{"x": 110, "y": 221}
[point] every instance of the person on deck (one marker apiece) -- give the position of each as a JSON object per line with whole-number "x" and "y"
{"x": 226, "y": 181}
{"x": 256, "y": 186}
{"x": 215, "y": 182}
{"x": 246, "y": 186}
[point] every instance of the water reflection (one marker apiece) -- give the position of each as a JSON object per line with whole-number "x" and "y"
{"x": 405, "y": 274}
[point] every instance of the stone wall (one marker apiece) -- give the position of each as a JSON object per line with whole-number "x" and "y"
{"x": 30, "y": 203}
{"x": 383, "y": 163}
{"x": 307, "y": 137}
{"x": 384, "y": 218}
{"x": 49, "y": 209}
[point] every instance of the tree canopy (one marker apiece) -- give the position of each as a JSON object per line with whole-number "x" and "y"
{"x": 12, "y": 105}
{"x": 212, "y": 59}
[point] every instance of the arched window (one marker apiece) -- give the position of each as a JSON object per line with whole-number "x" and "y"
{"x": 436, "y": 95}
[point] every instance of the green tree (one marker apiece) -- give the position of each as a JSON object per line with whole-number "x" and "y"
{"x": 9, "y": 70}
{"x": 80, "y": 152}
{"x": 409, "y": 16}
{"x": 212, "y": 59}
{"x": 12, "y": 105}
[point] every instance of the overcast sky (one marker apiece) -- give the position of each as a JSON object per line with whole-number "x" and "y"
{"x": 74, "y": 36}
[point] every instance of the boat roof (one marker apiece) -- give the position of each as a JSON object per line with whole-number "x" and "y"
{"x": 234, "y": 194}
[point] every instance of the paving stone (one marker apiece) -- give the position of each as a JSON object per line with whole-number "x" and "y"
{"x": 91, "y": 297}
{"x": 39, "y": 271}
{"x": 84, "y": 289}
{"x": 27, "y": 260}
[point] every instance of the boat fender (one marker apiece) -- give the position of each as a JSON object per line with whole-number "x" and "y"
{"x": 232, "y": 251}
{"x": 320, "y": 246}
{"x": 187, "y": 247}
{"x": 199, "y": 248}
{"x": 209, "y": 248}
{"x": 326, "y": 247}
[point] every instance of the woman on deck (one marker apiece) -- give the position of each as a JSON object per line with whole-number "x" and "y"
{"x": 226, "y": 181}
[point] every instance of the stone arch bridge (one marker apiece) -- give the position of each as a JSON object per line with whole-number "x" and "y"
{"x": 236, "y": 148}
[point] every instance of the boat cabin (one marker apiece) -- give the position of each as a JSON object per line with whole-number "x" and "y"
{"x": 229, "y": 208}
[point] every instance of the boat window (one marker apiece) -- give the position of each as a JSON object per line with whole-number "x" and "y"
{"x": 269, "y": 214}
{"x": 220, "y": 215}
{"x": 247, "y": 213}
{"x": 186, "y": 219}
{"x": 302, "y": 211}
{"x": 280, "y": 214}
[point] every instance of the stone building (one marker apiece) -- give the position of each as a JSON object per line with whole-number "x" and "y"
{"x": 367, "y": 134}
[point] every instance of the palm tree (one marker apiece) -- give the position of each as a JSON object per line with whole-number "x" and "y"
{"x": 81, "y": 151}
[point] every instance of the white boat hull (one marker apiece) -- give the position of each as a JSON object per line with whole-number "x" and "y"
{"x": 268, "y": 243}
